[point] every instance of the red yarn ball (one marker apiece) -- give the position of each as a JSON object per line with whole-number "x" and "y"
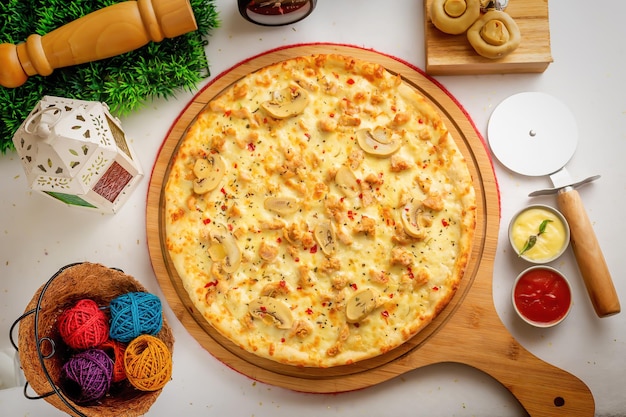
{"x": 83, "y": 326}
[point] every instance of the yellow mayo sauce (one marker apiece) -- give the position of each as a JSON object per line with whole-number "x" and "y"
{"x": 548, "y": 244}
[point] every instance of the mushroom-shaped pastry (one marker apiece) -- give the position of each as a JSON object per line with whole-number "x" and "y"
{"x": 272, "y": 311}
{"x": 285, "y": 103}
{"x": 223, "y": 248}
{"x": 454, "y": 16}
{"x": 209, "y": 173}
{"x": 494, "y": 35}
{"x": 379, "y": 141}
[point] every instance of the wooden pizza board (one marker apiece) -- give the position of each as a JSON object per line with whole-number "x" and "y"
{"x": 453, "y": 55}
{"x": 468, "y": 331}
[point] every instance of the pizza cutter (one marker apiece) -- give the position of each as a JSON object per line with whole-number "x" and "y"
{"x": 535, "y": 134}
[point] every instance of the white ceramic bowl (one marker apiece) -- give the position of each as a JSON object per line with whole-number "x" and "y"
{"x": 541, "y": 296}
{"x": 550, "y": 244}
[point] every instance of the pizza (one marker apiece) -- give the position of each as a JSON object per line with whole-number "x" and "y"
{"x": 318, "y": 212}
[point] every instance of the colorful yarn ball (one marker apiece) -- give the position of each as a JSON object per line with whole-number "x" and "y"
{"x": 148, "y": 363}
{"x": 87, "y": 376}
{"x": 115, "y": 350}
{"x": 134, "y": 314}
{"x": 84, "y": 325}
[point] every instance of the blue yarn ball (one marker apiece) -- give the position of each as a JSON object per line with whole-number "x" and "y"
{"x": 134, "y": 314}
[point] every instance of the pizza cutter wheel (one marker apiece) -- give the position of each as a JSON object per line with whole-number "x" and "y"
{"x": 535, "y": 134}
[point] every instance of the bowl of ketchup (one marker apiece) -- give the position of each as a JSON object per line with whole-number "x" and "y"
{"x": 542, "y": 296}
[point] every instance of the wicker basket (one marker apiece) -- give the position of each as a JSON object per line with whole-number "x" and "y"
{"x": 42, "y": 351}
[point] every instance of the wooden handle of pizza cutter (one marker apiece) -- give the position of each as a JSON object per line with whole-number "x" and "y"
{"x": 107, "y": 32}
{"x": 589, "y": 257}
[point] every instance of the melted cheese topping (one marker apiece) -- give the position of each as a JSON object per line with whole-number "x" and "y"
{"x": 362, "y": 243}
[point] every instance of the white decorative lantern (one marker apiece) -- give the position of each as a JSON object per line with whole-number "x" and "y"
{"x": 76, "y": 152}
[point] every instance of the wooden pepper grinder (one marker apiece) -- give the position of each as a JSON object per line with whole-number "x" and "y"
{"x": 107, "y": 32}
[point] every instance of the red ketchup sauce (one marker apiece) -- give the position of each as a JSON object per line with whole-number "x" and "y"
{"x": 542, "y": 296}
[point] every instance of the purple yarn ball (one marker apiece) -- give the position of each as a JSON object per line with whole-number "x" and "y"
{"x": 87, "y": 376}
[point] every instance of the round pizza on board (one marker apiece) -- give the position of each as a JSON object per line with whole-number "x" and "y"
{"x": 318, "y": 212}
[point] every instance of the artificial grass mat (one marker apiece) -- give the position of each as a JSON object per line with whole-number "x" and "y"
{"x": 124, "y": 82}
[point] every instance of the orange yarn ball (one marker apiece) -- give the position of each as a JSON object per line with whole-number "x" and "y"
{"x": 148, "y": 363}
{"x": 84, "y": 325}
{"x": 115, "y": 350}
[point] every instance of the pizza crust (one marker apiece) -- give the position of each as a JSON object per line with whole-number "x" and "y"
{"x": 299, "y": 254}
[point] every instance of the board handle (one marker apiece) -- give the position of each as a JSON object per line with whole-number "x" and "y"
{"x": 588, "y": 253}
{"x": 542, "y": 389}
{"x": 107, "y": 32}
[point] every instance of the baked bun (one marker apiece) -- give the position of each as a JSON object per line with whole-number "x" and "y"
{"x": 494, "y": 35}
{"x": 454, "y": 16}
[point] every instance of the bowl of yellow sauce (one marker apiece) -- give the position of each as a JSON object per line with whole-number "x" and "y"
{"x": 539, "y": 233}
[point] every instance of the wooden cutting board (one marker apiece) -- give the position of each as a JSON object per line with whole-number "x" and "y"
{"x": 468, "y": 331}
{"x": 453, "y": 54}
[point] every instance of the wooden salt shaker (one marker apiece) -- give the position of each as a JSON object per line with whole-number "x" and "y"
{"x": 107, "y": 32}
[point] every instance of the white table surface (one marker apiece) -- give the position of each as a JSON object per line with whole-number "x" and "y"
{"x": 38, "y": 235}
